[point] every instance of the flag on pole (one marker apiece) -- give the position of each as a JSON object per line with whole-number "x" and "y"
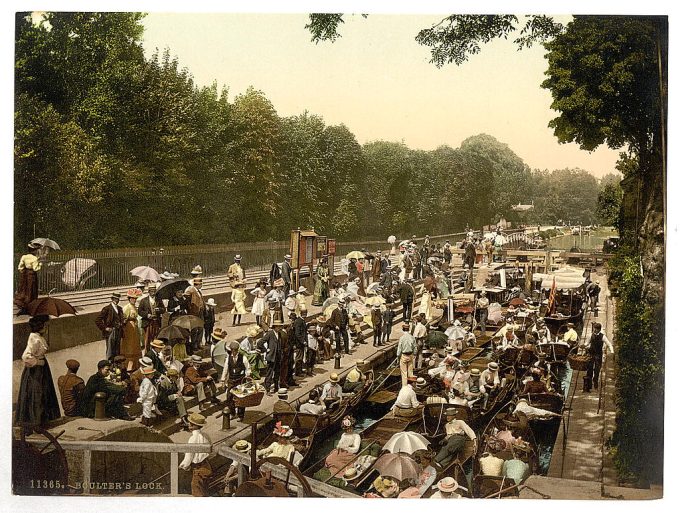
{"x": 551, "y": 299}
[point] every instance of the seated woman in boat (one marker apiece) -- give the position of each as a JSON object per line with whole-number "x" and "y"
{"x": 282, "y": 447}
{"x": 457, "y": 433}
{"x": 536, "y": 384}
{"x": 448, "y": 370}
{"x": 348, "y": 446}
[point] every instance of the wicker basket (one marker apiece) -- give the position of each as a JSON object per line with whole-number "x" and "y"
{"x": 248, "y": 401}
{"x": 579, "y": 362}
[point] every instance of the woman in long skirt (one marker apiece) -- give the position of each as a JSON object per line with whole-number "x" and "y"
{"x": 37, "y": 403}
{"x": 129, "y": 345}
{"x": 260, "y": 291}
{"x": 238, "y": 297}
{"x": 321, "y": 285}
{"x": 29, "y": 265}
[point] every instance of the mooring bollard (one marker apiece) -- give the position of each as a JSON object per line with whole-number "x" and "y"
{"x": 99, "y": 406}
{"x": 337, "y": 361}
{"x": 226, "y": 419}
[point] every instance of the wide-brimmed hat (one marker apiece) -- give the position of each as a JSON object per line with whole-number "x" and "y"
{"x": 253, "y": 331}
{"x": 242, "y": 445}
{"x": 321, "y": 319}
{"x": 196, "y": 419}
{"x": 291, "y": 293}
{"x": 172, "y": 372}
{"x": 133, "y": 293}
{"x": 145, "y": 361}
{"x": 350, "y": 473}
{"x": 219, "y": 333}
{"x": 420, "y": 382}
{"x": 447, "y": 485}
{"x": 211, "y": 302}
{"x": 302, "y": 289}
{"x": 197, "y": 270}
{"x": 334, "y": 378}
{"x": 493, "y": 366}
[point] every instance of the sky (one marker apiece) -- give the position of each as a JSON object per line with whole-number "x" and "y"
{"x": 377, "y": 80}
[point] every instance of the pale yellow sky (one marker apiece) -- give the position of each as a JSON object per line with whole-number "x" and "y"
{"x": 377, "y": 80}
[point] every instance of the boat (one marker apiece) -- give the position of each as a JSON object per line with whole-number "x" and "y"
{"x": 495, "y": 486}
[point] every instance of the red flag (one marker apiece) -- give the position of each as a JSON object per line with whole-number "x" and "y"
{"x": 551, "y": 299}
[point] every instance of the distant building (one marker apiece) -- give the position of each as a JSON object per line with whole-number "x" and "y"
{"x": 523, "y": 208}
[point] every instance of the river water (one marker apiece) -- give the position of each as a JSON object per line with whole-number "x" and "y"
{"x": 593, "y": 241}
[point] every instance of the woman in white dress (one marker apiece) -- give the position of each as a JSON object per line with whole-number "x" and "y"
{"x": 260, "y": 291}
{"x": 347, "y": 447}
{"x": 426, "y": 306}
{"x": 238, "y": 297}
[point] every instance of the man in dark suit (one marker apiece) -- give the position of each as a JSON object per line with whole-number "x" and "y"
{"x": 115, "y": 394}
{"x": 272, "y": 339}
{"x": 298, "y": 330}
{"x": 286, "y": 273}
{"x": 177, "y": 305}
{"x": 154, "y": 352}
{"x": 340, "y": 322}
{"x": 151, "y": 311}
{"x": 406, "y": 294}
{"x": 110, "y": 322}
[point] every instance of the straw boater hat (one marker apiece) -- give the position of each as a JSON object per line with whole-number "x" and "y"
{"x": 282, "y": 393}
{"x": 197, "y": 270}
{"x": 145, "y": 361}
{"x": 287, "y": 257}
{"x": 196, "y": 359}
{"x": 242, "y": 446}
{"x": 237, "y": 258}
{"x": 152, "y": 286}
{"x": 447, "y": 485}
{"x": 211, "y": 302}
{"x": 350, "y": 473}
{"x": 420, "y": 382}
{"x": 253, "y": 331}
{"x": 219, "y": 333}
{"x": 492, "y": 366}
{"x": 196, "y": 419}
{"x": 475, "y": 372}
{"x": 334, "y": 378}
{"x": 302, "y": 289}
{"x": 158, "y": 344}
{"x": 291, "y": 293}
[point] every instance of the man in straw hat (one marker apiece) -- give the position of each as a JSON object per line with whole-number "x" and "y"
{"x": 151, "y": 311}
{"x": 272, "y": 340}
{"x": 235, "y": 272}
{"x": 197, "y": 462}
{"x": 331, "y": 394}
{"x": 236, "y": 370}
{"x": 405, "y": 351}
{"x": 110, "y": 323}
{"x": 155, "y": 353}
{"x": 570, "y": 336}
{"x": 170, "y": 395}
{"x": 457, "y": 433}
{"x": 71, "y": 388}
{"x": 209, "y": 320}
{"x": 195, "y": 306}
{"x": 230, "y": 478}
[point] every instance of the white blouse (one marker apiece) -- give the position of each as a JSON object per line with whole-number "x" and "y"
{"x": 350, "y": 442}
{"x": 36, "y": 347}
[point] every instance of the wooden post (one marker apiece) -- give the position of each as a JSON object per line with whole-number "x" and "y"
{"x": 87, "y": 470}
{"x": 174, "y": 469}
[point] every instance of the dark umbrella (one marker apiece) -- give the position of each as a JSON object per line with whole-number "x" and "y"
{"x": 400, "y": 466}
{"x": 188, "y": 322}
{"x": 173, "y": 332}
{"x": 46, "y": 243}
{"x": 49, "y": 306}
{"x": 168, "y": 288}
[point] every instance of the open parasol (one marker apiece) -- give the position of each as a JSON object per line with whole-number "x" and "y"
{"x": 406, "y": 442}
{"x": 400, "y": 466}
{"x": 146, "y": 273}
{"x": 173, "y": 332}
{"x": 219, "y": 354}
{"x": 46, "y": 243}
{"x": 167, "y": 289}
{"x": 329, "y": 302}
{"x": 188, "y": 322}
{"x": 49, "y": 306}
{"x": 375, "y": 300}
{"x": 355, "y": 254}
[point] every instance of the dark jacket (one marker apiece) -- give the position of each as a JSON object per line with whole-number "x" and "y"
{"x": 157, "y": 363}
{"x": 108, "y": 318}
{"x": 114, "y": 396}
{"x": 406, "y": 293}
{"x": 339, "y": 318}
{"x": 145, "y": 310}
{"x": 273, "y": 355}
{"x": 173, "y": 303}
{"x": 299, "y": 332}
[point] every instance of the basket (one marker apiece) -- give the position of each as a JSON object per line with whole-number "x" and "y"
{"x": 579, "y": 362}
{"x": 248, "y": 401}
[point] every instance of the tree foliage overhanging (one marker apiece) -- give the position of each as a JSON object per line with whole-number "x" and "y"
{"x": 113, "y": 149}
